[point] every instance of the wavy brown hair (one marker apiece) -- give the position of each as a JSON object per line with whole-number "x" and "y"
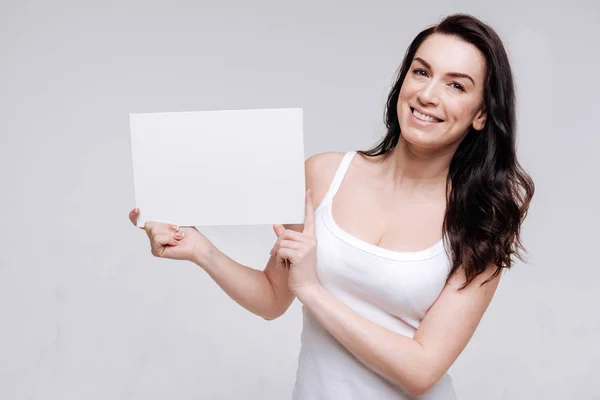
{"x": 488, "y": 191}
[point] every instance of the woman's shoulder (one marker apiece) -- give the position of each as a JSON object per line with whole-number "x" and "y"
{"x": 322, "y": 163}
{"x": 319, "y": 172}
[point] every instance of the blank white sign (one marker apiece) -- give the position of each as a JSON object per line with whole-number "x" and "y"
{"x": 206, "y": 168}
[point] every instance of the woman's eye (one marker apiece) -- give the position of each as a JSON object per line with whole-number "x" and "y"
{"x": 458, "y": 87}
{"x": 419, "y": 72}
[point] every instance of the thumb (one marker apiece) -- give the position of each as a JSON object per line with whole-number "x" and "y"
{"x": 278, "y": 229}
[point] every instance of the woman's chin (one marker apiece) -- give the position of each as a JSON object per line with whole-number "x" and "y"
{"x": 420, "y": 139}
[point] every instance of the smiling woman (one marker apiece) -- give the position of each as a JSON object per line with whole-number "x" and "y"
{"x": 402, "y": 246}
{"x": 454, "y": 97}
{"x": 392, "y": 312}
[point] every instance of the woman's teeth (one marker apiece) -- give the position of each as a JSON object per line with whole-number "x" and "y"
{"x": 424, "y": 117}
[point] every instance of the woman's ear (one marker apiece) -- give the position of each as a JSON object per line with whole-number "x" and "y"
{"x": 480, "y": 118}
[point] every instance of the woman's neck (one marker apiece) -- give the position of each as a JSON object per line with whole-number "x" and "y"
{"x": 416, "y": 169}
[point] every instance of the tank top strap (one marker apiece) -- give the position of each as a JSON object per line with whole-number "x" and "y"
{"x": 340, "y": 173}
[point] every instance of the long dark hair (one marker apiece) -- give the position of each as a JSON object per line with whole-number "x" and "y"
{"x": 488, "y": 191}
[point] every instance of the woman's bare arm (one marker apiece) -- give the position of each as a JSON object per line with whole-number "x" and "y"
{"x": 266, "y": 293}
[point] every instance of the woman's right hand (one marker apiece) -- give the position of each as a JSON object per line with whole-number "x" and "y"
{"x": 171, "y": 241}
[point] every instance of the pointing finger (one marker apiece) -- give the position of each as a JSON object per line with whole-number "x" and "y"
{"x": 309, "y": 215}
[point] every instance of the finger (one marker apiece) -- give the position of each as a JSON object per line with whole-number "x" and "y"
{"x": 161, "y": 232}
{"x": 153, "y": 229}
{"x": 293, "y": 235}
{"x": 133, "y": 215}
{"x": 178, "y": 235}
{"x": 309, "y": 215}
{"x": 165, "y": 227}
{"x": 278, "y": 229}
{"x": 279, "y": 262}
{"x": 290, "y": 244}
{"x": 283, "y": 263}
{"x": 275, "y": 247}
{"x": 159, "y": 228}
{"x": 164, "y": 240}
{"x": 148, "y": 226}
{"x": 287, "y": 254}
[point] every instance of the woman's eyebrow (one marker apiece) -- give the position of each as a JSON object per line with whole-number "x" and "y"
{"x": 452, "y": 74}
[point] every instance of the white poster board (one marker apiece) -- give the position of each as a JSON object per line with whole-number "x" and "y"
{"x": 206, "y": 168}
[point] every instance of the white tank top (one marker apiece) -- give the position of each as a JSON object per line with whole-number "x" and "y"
{"x": 391, "y": 288}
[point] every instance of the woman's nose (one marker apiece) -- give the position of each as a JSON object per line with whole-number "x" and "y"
{"x": 429, "y": 94}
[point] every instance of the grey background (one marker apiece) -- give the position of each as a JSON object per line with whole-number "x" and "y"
{"x": 87, "y": 312}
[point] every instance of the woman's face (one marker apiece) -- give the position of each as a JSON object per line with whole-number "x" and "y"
{"x": 442, "y": 94}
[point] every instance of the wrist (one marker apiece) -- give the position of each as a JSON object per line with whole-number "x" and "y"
{"x": 308, "y": 293}
{"x": 204, "y": 257}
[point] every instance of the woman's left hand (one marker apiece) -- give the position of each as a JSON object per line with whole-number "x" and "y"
{"x": 299, "y": 251}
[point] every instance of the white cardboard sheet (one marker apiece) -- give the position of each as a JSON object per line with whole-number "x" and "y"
{"x": 206, "y": 168}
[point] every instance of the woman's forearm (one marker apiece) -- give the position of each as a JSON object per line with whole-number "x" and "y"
{"x": 398, "y": 358}
{"x": 248, "y": 287}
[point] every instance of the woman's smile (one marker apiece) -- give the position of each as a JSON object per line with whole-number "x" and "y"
{"x": 423, "y": 118}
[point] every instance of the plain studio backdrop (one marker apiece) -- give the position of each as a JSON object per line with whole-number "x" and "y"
{"x": 86, "y": 311}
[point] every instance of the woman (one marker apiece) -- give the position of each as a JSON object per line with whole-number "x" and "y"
{"x": 412, "y": 235}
